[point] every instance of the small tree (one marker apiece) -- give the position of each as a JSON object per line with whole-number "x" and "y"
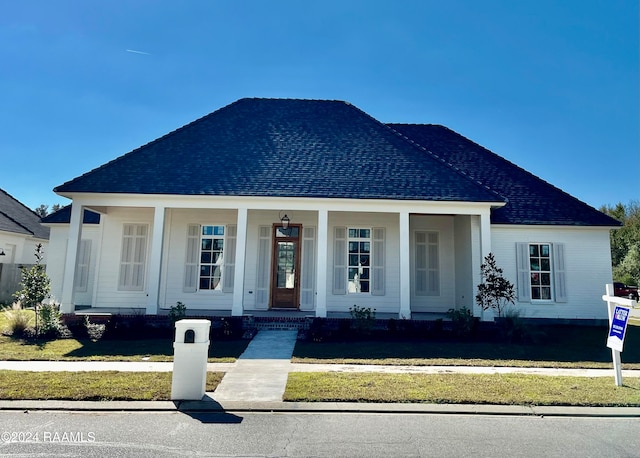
{"x": 495, "y": 292}
{"x": 35, "y": 285}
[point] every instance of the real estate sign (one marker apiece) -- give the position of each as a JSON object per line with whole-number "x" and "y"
{"x": 618, "y": 328}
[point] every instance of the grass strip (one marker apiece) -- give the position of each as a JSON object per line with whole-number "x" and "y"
{"x": 92, "y": 386}
{"x": 108, "y": 350}
{"x": 502, "y": 389}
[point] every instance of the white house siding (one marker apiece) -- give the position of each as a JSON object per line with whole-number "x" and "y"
{"x": 106, "y": 286}
{"x": 20, "y": 249}
{"x": 464, "y": 280}
{"x": 390, "y": 301}
{"x": 55, "y": 267}
{"x": 587, "y": 264}
{"x": 173, "y": 263}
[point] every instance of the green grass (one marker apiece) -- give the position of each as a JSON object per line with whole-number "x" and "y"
{"x": 108, "y": 350}
{"x": 503, "y": 389}
{"x": 569, "y": 347}
{"x": 92, "y": 386}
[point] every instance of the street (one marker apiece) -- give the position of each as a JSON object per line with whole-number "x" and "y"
{"x": 160, "y": 434}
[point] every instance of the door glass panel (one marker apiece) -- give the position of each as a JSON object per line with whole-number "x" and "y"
{"x": 286, "y": 258}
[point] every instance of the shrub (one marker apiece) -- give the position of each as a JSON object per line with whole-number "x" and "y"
{"x": 177, "y": 312}
{"x": 363, "y": 319}
{"x": 49, "y": 315}
{"x": 495, "y": 292}
{"x": 462, "y": 320}
{"x": 18, "y": 320}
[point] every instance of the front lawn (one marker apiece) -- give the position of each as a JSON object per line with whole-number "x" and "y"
{"x": 92, "y": 386}
{"x": 561, "y": 346}
{"x": 502, "y": 389}
{"x": 108, "y": 350}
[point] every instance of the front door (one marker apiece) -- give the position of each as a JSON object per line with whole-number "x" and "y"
{"x": 285, "y": 267}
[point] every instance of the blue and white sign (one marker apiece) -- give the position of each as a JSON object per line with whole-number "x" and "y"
{"x": 618, "y": 328}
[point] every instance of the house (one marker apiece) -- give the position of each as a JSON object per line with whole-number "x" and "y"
{"x": 20, "y": 233}
{"x": 313, "y": 205}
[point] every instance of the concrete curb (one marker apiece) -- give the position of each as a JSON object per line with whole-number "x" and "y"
{"x": 209, "y": 405}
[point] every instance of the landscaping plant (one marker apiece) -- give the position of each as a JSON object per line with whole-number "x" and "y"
{"x": 495, "y": 292}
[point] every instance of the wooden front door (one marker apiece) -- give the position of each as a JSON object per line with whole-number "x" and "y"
{"x": 285, "y": 267}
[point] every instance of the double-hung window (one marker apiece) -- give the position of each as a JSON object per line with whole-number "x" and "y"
{"x": 211, "y": 257}
{"x": 359, "y": 258}
{"x": 541, "y": 272}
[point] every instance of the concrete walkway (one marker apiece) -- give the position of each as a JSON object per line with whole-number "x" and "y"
{"x": 261, "y": 372}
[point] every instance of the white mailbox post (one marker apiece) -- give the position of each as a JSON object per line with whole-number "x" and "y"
{"x": 190, "y": 351}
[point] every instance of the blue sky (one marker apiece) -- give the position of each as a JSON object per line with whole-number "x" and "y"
{"x": 551, "y": 85}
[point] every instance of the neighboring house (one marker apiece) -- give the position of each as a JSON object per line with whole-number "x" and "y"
{"x": 20, "y": 233}
{"x": 312, "y": 205}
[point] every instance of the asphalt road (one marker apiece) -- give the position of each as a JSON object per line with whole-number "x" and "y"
{"x": 164, "y": 434}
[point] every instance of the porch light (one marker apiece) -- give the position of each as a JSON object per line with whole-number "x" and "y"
{"x": 2, "y": 252}
{"x": 285, "y": 222}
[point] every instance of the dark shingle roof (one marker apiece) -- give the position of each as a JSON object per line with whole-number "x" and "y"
{"x": 531, "y": 200}
{"x": 15, "y": 217}
{"x": 283, "y": 148}
{"x": 63, "y": 216}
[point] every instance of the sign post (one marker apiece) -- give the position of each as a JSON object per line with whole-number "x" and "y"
{"x": 619, "y": 310}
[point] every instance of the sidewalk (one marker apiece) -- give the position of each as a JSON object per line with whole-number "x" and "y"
{"x": 257, "y": 380}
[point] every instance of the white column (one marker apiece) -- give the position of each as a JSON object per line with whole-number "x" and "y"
{"x": 405, "y": 268}
{"x": 73, "y": 240}
{"x": 237, "y": 308}
{"x": 155, "y": 261}
{"x": 321, "y": 267}
{"x": 485, "y": 249}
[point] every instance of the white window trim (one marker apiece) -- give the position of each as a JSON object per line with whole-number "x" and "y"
{"x": 551, "y": 273}
{"x": 369, "y": 267}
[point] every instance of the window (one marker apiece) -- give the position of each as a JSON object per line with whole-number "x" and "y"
{"x": 359, "y": 267}
{"x": 133, "y": 257}
{"x": 427, "y": 264}
{"x": 540, "y": 270}
{"x": 81, "y": 282}
{"x": 211, "y": 257}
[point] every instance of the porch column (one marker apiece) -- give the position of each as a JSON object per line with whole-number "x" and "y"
{"x": 405, "y": 268}
{"x": 485, "y": 249}
{"x": 237, "y": 308}
{"x": 73, "y": 240}
{"x": 155, "y": 261}
{"x": 321, "y": 267}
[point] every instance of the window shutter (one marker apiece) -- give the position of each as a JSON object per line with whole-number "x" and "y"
{"x": 82, "y": 269}
{"x": 262, "y": 274}
{"x": 378, "y": 261}
{"x": 420, "y": 264}
{"x": 190, "y": 284}
{"x": 559, "y": 273}
{"x": 133, "y": 257}
{"x": 340, "y": 261}
{"x": 433, "y": 264}
{"x": 307, "y": 285}
{"x": 524, "y": 278}
{"x": 229, "y": 250}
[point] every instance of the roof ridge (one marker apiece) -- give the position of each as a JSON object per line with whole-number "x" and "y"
{"x": 20, "y": 203}
{"x": 504, "y": 160}
{"x": 442, "y": 160}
